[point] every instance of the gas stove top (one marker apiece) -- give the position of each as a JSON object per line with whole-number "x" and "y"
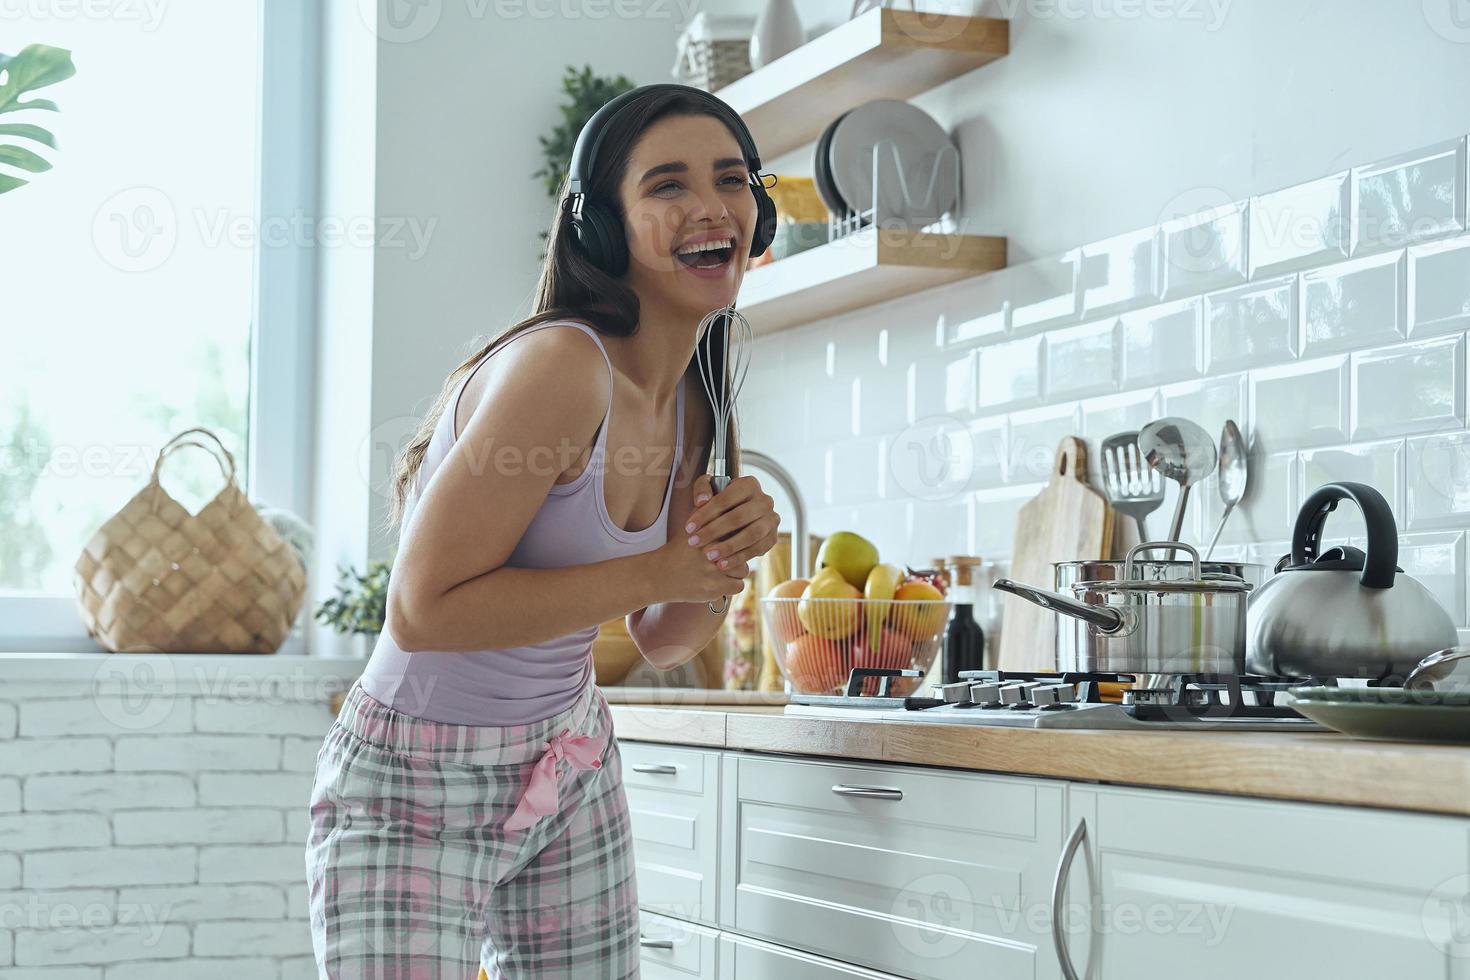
{"x": 1015, "y": 699}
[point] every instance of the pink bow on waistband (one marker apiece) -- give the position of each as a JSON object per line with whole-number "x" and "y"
{"x": 540, "y": 798}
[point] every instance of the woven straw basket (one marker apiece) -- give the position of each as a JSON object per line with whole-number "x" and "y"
{"x": 157, "y": 579}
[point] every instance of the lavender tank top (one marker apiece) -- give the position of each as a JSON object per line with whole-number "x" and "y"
{"x": 519, "y": 685}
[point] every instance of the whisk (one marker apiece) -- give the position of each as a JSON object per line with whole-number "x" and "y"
{"x": 723, "y": 350}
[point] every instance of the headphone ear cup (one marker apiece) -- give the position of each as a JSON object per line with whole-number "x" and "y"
{"x": 600, "y": 233}
{"x": 765, "y": 221}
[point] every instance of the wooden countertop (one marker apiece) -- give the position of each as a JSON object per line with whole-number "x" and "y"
{"x": 1318, "y": 767}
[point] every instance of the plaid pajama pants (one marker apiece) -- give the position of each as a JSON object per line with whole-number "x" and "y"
{"x": 413, "y": 873}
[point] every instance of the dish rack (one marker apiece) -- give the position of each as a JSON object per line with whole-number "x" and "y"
{"x": 817, "y": 642}
{"x": 881, "y": 216}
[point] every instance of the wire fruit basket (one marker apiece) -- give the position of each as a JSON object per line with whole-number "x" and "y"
{"x": 817, "y": 642}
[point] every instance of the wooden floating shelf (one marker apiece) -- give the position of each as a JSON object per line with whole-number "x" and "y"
{"x": 859, "y": 270}
{"x": 881, "y": 54}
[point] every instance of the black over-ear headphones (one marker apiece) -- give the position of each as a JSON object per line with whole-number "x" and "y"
{"x": 595, "y": 223}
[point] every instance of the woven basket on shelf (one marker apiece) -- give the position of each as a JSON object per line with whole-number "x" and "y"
{"x": 155, "y": 578}
{"x": 712, "y": 52}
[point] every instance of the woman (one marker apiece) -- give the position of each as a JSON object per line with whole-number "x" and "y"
{"x": 468, "y": 807}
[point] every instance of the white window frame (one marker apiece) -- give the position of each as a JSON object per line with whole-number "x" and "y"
{"x": 283, "y": 338}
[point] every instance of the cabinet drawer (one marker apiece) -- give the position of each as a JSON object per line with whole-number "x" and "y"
{"x": 1212, "y": 881}
{"x": 671, "y": 949}
{"x": 750, "y": 959}
{"x": 673, "y": 802}
{"x": 924, "y": 873}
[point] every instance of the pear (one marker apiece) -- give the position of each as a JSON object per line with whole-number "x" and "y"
{"x": 832, "y": 620}
{"x": 851, "y": 554}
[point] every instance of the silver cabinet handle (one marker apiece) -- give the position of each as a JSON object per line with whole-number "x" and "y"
{"x": 647, "y": 943}
{"x": 1058, "y": 893}
{"x": 657, "y": 770}
{"x": 875, "y": 792}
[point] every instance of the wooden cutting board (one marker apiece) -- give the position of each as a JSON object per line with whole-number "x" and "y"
{"x": 1067, "y": 521}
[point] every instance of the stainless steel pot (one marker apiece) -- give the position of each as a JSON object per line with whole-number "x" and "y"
{"x": 1138, "y": 625}
{"x": 1076, "y": 647}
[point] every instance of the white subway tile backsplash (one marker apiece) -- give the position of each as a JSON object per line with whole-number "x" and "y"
{"x": 1118, "y": 274}
{"x": 1161, "y": 343}
{"x": 1102, "y": 417}
{"x": 940, "y": 528}
{"x": 1378, "y": 464}
{"x": 1321, "y": 317}
{"x": 1043, "y": 293}
{"x": 1009, "y": 373}
{"x": 1251, "y": 326}
{"x": 1301, "y": 404}
{"x": 857, "y": 466}
{"x": 1437, "y": 561}
{"x": 1408, "y": 389}
{"x": 1353, "y": 304}
{"x": 1439, "y": 288}
{"x": 1299, "y": 226}
{"x": 989, "y": 441}
{"x": 1437, "y": 481}
{"x": 1081, "y": 360}
{"x": 941, "y": 385}
{"x": 1209, "y": 401}
{"x": 1203, "y": 251}
{"x": 1272, "y": 496}
{"x": 1034, "y": 438}
{"x": 976, "y": 310}
{"x": 1409, "y": 198}
{"x": 995, "y": 518}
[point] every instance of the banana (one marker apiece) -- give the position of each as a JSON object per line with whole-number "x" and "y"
{"x": 882, "y": 582}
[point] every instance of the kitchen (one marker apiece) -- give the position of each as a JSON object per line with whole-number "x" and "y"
{"x": 1178, "y": 213}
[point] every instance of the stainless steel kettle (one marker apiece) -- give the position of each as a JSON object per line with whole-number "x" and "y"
{"x": 1343, "y": 612}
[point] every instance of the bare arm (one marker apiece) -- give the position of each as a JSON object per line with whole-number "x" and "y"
{"x": 451, "y": 590}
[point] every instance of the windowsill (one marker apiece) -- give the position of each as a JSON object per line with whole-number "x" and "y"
{"x": 198, "y": 672}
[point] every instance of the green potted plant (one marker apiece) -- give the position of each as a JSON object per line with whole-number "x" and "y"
{"x": 360, "y": 605}
{"x": 37, "y": 66}
{"x": 585, "y": 94}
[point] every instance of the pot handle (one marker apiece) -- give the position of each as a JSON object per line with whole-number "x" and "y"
{"x": 1103, "y": 618}
{"x": 1383, "y": 536}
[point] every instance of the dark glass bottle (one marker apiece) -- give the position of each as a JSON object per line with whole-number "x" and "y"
{"x": 964, "y": 641}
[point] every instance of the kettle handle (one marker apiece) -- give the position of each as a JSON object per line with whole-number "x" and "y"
{"x": 1383, "y": 537}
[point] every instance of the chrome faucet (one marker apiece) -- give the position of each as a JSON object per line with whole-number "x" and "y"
{"x": 760, "y": 461}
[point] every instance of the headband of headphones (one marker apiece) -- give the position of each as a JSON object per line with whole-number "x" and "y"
{"x": 584, "y": 154}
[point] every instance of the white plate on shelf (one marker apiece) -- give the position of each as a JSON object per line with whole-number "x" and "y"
{"x": 919, "y": 140}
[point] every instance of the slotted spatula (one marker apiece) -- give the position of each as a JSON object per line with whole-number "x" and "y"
{"x": 1134, "y": 488}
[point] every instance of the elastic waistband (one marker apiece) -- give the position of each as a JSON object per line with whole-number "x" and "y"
{"x": 478, "y": 745}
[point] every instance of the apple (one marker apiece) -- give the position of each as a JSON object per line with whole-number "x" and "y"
{"x": 817, "y": 665}
{"x": 851, "y": 554}
{"x": 785, "y": 626}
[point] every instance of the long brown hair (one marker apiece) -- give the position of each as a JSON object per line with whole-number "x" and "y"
{"x": 571, "y": 287}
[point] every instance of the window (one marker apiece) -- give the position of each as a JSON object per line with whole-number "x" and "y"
{"x": 130, "y": 275}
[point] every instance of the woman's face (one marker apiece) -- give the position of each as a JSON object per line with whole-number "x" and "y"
{"x": 687, "y": 184}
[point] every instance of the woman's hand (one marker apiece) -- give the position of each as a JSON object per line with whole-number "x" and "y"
{"x": 736, "y": 524}
{"x": 683, "y": 574}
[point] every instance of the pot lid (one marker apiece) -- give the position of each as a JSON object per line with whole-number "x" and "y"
{"x": 1209, "y": 582}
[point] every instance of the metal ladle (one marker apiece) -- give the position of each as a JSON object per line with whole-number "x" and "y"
{"x": 1234, "y": 473}
{"x": 1181, "y": 451}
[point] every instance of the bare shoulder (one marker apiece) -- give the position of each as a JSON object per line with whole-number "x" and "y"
{"x": 558, "y": 360}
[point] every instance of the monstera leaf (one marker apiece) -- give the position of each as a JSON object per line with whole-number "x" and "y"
{"x": 37, "y": 66}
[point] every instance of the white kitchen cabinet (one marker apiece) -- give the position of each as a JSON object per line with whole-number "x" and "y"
{"x": 742, "y": 958}
{"x": 1215, "y": 886}
{"x": 923, "y": 873}
{"x": 672, "y": 949}
{"x": 673, "y": 802}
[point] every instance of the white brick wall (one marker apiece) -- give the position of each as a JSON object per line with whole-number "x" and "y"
{"x": 157, "y": 838}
